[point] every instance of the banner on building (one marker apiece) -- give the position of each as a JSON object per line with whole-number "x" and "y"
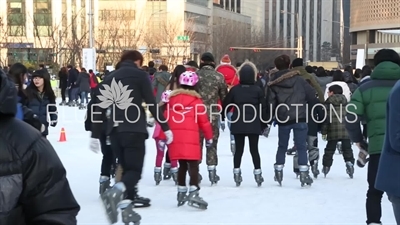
{"x": 89, "y": 59}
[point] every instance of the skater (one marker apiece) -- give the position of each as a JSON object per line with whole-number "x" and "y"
{"x": 42, "y": 100}
{"x": 187, "y": 148}
{"x": 290, "y": 89}
{"x": 161, "y": 146}
{"x": 368, "y": 102}
{"x": 212, "y": 87}
{"x": 127, "y": 137}
{"x": 333, "y": 130}
{"x": 231, "y": 80}
{"x": 34, "y": 188}
{"x": 63, "y": 82}
{"x": 242, "y": 112}
{"x": 83, "y": 82}
{"x": 73, "y": 89}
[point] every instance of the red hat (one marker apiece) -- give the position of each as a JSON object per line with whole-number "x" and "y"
{"x": 225, "y": 59}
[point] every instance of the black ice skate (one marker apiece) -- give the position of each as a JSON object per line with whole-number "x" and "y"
{"x": 182, "y": 197}
{"x": 212, "y": 175}
{"x": 82, "y": 106}
{"x": 63, "y": 103}
{"x": 237, "y": 176}
{"x": 291, "y": 151}
{"x": 139, "y": 201}
{"x": 111, "y": 198}
{"x": 305, "y": 178}
{"x": 325, "y": 170}
{"x": 194, "y": 200}
{"x": 278, "y": 174}
{"x": 233, "y": 147}
{"x": 314, "y": 168}
{"x": 167, "y": 171}
{"x": 157, "y": 175}
{"x": 128, "y": 214}
{"x": 350, "y": 169}
{"x": 258, "y": 177}
{"x": 296, "y": 165}
{"x": 104, "y": 184}
{"x": 339, "y": 147}
{"x": 71, "y": 104}
{"x": 174, "y": 174}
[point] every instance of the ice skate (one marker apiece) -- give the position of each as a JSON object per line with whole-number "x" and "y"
{"x": 237, "y": 176}
{"x": 104, "y": 184}
{"x": 167, "y": 171}
{"x": 350, "y": 169}
{"x": 314, "y": 169}
{"x": 182, "y": 197}
{"x": 291, "y": 151}
{"x": 157, "y": 175}
{"x": 194, "y": 200}
{"x": 139, "y": 201}
{"x": 82, "y": 106}
{"x": 212, "y": 175}
{"x": 296, "y": 165}
{"x": 200, "y": 178}
{"x": 305, "y": 178}
{"x": 258, "y": 177}
{"x": 128, "y": 214}
{"x": 325, "y": 170}
{"x": 174, "y": 174}
{"x": 278, "y": 174}
{"x": 111, "y": 198}
{"x": 71, "y": 104}
{"x": 233, "y": 147}
{"x": 339, "y": 147}
{"x": 63, "y": 103}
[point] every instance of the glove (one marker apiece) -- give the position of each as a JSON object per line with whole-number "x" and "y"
{"x": 209, "y": 143}
{"x": 266, "y": 131}
{"x": 161, "y": 145}
{"x": 274, "y": 123}
{"x": 170, "y": 136}
{"x": 324, "y": 137}
{"x": 94, "y": 145}
{"x": 223, "y": 125}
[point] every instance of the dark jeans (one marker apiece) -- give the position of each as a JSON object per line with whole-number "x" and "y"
{"x": 108, "y": 157}
{"x": 374, "y": 196}
{"x": 63, "y": 93}
{"x": 300, "y": 131}
{"x": 73, "y": 94}
{"x": 130, "y": 150}
{"x": 253, "y": 144}
{"x": 191, "y": 166}
{"x": 84, "y": 96}
{"x": 330, "y": 150}
{"x": 396, "y": 207}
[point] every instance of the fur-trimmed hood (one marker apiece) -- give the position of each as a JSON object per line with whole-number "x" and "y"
{"x": 247, "y": 73}
{"x": 183, "y": 98}
{"x": 185, "y": 92}
{"x": 282, "y": 78}
{"x": 190, "y": 68}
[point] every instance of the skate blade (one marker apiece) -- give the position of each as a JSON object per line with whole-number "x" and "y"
{"x": 141, "y": 205}
{"x": 111, "y": 208}
{"x": 197, "y": 205}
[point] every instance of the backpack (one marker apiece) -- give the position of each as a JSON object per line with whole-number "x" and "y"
{"x": 229, "y": 86}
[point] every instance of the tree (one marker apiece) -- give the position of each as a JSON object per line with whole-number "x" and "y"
{"x": 3, "y": 38}
{"x": 326, "y": 51}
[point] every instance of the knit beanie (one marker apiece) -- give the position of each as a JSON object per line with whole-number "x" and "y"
{"x": 225, "y": 60}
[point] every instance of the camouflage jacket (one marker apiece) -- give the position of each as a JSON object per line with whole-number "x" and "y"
{"x": 211, "y": 87}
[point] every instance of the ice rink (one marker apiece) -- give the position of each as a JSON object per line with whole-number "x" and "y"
{"x": 336, "y": 199}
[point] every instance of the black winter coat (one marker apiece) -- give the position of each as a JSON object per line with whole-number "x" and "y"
{"x": 63, "y": 79}
{"x": 288, "y": 96}
{"x": 72, "y": 78}
{"x": 129, "y": 87}
{"x": 83, "y": 82}
{"x": 33, "y": 184}
{"x": 247, "y": 100}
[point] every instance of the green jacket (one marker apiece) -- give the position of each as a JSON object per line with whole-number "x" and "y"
{"x": 369, "y": 102}
{"x": 334, "y": 126}
{"x": 160, "y": 82}
{"x": 310, "y": 78}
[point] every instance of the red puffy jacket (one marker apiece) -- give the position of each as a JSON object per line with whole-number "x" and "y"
{"x": 185, "y": 122}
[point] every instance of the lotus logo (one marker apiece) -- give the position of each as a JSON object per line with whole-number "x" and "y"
{"x": 116, "y": 94}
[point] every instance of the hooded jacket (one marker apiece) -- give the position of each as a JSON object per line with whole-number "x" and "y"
{"x": 33, "y": 184}
{"x": 323, "y": 81}
{"x": 288, "y": 94}
{"x": 334, "y": 126}
{"x": 349, "y": 80}
{"x": 343, "y": 85}
{"x": 83, "y": 82}
{"x": 160, "y": 82}
{"x": 303, "y": 73}
{"x": 248, "y": 103}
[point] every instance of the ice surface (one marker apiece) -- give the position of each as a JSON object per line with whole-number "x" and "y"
{"x": 336, "y": 199}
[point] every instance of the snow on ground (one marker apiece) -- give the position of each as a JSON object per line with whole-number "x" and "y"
{"x": 336, "y": 199}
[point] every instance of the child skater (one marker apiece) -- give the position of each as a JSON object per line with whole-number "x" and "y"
{"x": 186, "y": 120}
{"x": 160, "y": 146}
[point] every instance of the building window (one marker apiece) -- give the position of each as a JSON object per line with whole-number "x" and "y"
{"x": 238, "y": 6}
{"x": 196, "y": 18}
{"x": 108, "y": 14}
{"x": 199, "y": 2}
{"x": 42, "y": 18}
{"x": 16, "y": 18}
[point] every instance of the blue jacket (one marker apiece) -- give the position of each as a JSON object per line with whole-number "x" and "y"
{"x": 364, "y": 80}
{"x": 39, "y": 105}
{"x": 388, "y": 177}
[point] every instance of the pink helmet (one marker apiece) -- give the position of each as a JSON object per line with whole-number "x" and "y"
{"x": 165, "y": 96}
{"x": 188, "y": 78}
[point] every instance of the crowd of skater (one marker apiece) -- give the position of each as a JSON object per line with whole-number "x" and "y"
{"x": 219, "y": 88}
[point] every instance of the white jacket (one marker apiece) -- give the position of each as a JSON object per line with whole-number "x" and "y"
{"x": 345, "y": 87}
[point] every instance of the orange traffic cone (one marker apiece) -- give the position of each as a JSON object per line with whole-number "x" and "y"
{"x": 63, "y": 138}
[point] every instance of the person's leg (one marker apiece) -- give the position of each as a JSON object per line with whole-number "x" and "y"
{"x": 86, "y": 97}
{"x": 159, "y": 155}
{"x": 327, "y": 158}
{"x": 229, "y": 117}
{"x": 300, "y": 131}
{"x": 347, "y": 151}
{"x": 396, "y": 207}
{"x": 82, "y": 94}
{"x": 108, "y": 157}
{"x": 193, "y": 172}
{"x": 374, "y": 196}
{"x": 237, "y": 158}
{"x": 255, "y": 155}
{"x": 183, "y": 169}
{"x": 211, "y": 154}
{"x": 63, "y": 89}
{"x": 283, "y": 142}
